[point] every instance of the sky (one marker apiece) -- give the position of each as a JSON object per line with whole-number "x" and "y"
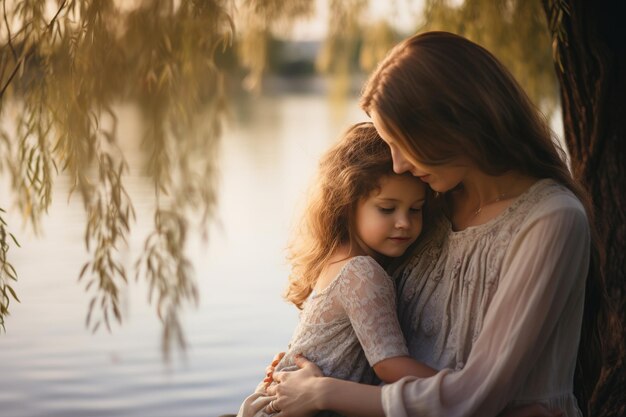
{"x": 403, "y": 14}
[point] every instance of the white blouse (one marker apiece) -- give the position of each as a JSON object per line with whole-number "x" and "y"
{"x": 498, "y": 308}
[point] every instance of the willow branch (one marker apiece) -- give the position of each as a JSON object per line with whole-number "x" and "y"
{"x": 6, "y": 21}
{"x": 6, "y": 84}
{"x": 28, "y": 54}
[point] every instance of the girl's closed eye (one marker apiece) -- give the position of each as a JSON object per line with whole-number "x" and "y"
{"x": 386, "y": 210}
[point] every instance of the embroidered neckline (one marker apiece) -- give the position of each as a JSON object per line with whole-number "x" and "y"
{"x": 522, "y": 198}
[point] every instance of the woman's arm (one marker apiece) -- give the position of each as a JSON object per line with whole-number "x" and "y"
{"x": 305, "y": 392}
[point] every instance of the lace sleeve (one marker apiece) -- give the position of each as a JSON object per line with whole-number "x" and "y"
{"x": 367, "y": 295}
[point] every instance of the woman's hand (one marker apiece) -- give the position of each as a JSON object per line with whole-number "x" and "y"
{"x": 531, "y": 410}
{"x": 295, "y": 391}
{"x": 269, "y": 371}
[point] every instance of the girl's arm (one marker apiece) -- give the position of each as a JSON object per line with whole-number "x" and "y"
{"x": 392, "y": 369}
{"x": 368, "y": 297}
{"x": 269, "y": 371}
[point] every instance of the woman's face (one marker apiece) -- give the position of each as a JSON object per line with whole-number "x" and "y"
{"x": 440, "y": 178}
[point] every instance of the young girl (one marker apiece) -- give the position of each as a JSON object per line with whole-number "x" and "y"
{"x": 360, "y": 216}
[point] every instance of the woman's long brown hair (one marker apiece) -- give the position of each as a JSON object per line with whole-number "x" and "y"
{"x": 442, "y": 96}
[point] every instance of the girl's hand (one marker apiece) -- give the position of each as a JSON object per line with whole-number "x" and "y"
{"x": 269, "y": 371}
{"x": 531, "y": 410}
{"x": 295, "y": 391}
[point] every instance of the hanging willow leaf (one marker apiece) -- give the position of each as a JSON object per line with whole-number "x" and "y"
{"x": 7, "y": 271}
{"x": 67, "y": 72}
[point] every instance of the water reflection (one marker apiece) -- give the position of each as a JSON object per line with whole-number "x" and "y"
{"x": 52, "y": 366}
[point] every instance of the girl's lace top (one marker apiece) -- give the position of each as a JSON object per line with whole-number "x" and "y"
{"x": 345, "y": 329}
{"x": 497, "y": 308}
{"x": 350, "y": 325}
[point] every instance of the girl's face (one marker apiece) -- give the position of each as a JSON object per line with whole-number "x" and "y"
{"x": 440, "y": 178}
{"x": 390, "y": 218}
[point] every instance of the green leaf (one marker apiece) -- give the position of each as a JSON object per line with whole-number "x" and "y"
{"x": 12, "y": 291}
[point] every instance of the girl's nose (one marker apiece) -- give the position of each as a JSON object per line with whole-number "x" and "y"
{"x": 402, "y": 222}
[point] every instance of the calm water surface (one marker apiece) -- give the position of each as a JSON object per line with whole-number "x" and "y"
{"x": 50, "y": 365}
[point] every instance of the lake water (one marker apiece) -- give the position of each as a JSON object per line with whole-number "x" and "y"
{"x": 51, "y": 365}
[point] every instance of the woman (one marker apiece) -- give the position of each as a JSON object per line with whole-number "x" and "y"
{"x": 493, "y": 294}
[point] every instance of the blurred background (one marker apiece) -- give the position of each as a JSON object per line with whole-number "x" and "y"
{"x": 205, "y": 119}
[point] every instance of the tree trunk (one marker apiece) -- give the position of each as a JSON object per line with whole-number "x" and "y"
{"x": 590, "y": 61}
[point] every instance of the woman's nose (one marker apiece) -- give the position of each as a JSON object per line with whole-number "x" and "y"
{"x": 400, "y": 163}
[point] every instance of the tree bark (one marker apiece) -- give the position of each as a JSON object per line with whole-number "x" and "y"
{"x": 590, "y": 62}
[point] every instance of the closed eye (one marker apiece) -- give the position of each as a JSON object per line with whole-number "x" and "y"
{"x": 386, "y": 210}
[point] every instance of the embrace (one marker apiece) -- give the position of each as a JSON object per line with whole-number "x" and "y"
{"x": 442, "y": 259}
